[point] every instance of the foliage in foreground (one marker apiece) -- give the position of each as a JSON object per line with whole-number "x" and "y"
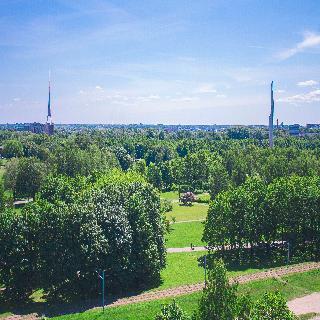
{"x": 220, "y": 301}
{"x": 116, "y": 225}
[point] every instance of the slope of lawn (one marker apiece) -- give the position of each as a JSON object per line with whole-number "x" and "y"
{"x": 290, "y": 286}
{"x": 183, "y": 234}
{"x": 197, "y": 211}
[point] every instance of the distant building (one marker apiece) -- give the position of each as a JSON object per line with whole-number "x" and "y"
{"x": 313, "y": 125}
{"x": 36, "y": 127}
{"x": 49, "y": 128}
{"x": 294, "y": 129}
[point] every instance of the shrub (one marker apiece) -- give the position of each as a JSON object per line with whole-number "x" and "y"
{"x": 166, "y": 205}
{"x": 203, "y": 198}
{"x": 171, "y": 312}
{"x": 187, "y": 198}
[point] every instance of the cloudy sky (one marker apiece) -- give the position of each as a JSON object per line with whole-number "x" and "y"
{"x": 160, "y": 61}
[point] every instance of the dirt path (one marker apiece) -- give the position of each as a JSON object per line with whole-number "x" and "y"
{"x": 306, "y": 304}
{"x": 182, "y": 290}
{"x": 187, "y": 289}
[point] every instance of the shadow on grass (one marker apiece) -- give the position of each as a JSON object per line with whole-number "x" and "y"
{"x": 235, "y": 260}
{"x": 259, "y": 258}
{"x": 51, "y": 306}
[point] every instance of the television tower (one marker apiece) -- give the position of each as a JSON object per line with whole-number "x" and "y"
{"x": 49, "y": 126}
{"x": 49, "y": 119}
{"x": 271, "y": 118}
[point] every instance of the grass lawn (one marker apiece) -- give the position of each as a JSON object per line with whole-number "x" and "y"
{"x": 171, "y": 195}
{"x": 182, "y": 213}
{"x": 182, "y": 234}
{"x": 291, "y": 287}
{"x": 184, "y": 268}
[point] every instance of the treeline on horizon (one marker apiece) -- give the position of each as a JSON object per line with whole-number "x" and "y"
{"x": 191, "y": 161}
{"x": 102, "y": 187}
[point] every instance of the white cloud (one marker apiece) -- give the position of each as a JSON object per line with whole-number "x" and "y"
{"x": 280, "y": 91}
{"x": 16, "y": 99}
{"x": 221, "y": 96}
{"x": 307, "y": 83}
{"x": 312, "y": 96}
{"x": 206, "y": 88}
{"x": 310, "y": 40}
{"x": 185, "y": 99}
{"x": 99, "y": 88}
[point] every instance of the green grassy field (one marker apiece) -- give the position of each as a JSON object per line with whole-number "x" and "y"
{"x": 291, "y": 287}
{"x": 184, "y": 268}
{"x": 197, "y": 211}
{"x": 182, "y": 234}
{"x": 183, "y": 213}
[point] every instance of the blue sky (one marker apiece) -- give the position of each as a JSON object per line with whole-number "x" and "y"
{"x": 160, "y": 61}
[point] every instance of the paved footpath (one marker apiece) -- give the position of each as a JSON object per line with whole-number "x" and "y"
{"x": 186, "y": 249}
{"x": 187, "y": 289}
{"x": 306, "y": 304}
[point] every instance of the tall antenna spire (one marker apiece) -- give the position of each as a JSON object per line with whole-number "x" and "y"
{"x": 271, "y": 118}
{"x": 49, "y": 119}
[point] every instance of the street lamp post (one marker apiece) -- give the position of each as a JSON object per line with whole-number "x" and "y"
{"x": 102, "y": 277}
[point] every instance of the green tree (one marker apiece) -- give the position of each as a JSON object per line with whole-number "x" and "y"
{"x": 11, "y": 173}
{"x": 31, "y": 173}
{"x": 154, "y": 176}
{"x": 2, "y": 196}
{"x": 219, "y": 298}
{"x": 12, "y": 149}
{"x": 218, "y": 179}
{"x": 24, "y": 176}
{"x": 116, "y": 225}
{"x": 272, "y": 306}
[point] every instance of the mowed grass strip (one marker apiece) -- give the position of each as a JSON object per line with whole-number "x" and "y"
{"x": 198, "y": 211}
{"x": 183, "y": 234}
{"x": 291, "y": 287}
